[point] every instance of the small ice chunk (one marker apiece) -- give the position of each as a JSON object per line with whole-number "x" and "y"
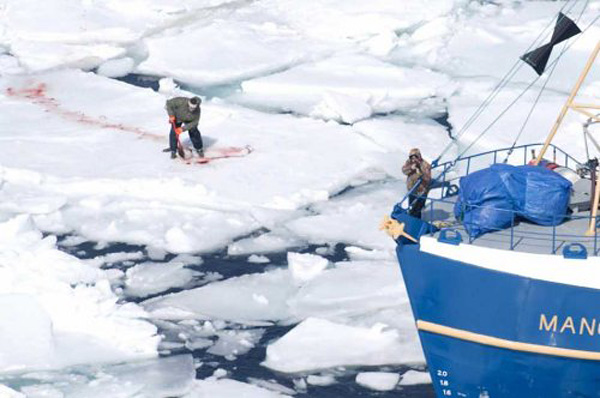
{"x": 6, "y": 392}
{"x": 305, "y": 267}
{"x": 266, "y": 243}
{"x": 378, "y": 381}
{"x": 167, "y": 85}
{"x": 357, "y": 253}
{"x": 198, "y": 343}
{"x": 271, "y": 385}
{"x": 413, "y": 377}
{"x": 324, "y": 380}
{"x": 235, "y": 342}
{"x": 257, "y": 259}
{"x": 170, "y": 345}
{"x": 219, "y": 373}
{"x": 156, "y": 254}
{"x": 227, "y": 388}
{"x": 300, "y": 384}
{"x": 146, "y": 279}
{"x": 319, "y": 344}
{"x": 116, "y": 67}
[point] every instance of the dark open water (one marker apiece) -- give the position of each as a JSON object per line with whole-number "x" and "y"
{"x": 245, "y": 367}
{"x": 248, "y": 366}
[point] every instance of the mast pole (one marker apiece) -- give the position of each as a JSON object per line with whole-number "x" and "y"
{"x": 592, "y": 227}
{"x": 569, "y": 102}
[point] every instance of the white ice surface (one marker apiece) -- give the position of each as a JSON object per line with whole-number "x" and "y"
{"x": 378, "y": 381}
{"x": 7, "y": 392}
{"x": 326, "y": 344}
{"x": 305, "y": 267}
{"x": 62, "y": 310}
{"x": 156, "y": 378}
{"x": 80, "y": 155}
{"x": 355, "y": 295}
{"x": 146, "y": 279}
{"x": 317, "y": 380}
{"x": 227, "y": 388}
{"x": 346, "y": 88}
{"x": 413, "y": 377}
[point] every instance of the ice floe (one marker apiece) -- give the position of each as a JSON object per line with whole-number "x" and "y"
{"x": 331, "y": 96}
{"x": 379, "y": 381}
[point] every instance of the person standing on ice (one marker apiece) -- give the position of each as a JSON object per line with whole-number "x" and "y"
{"x": 184, "y": 115}
{"x": 417, "y": 169}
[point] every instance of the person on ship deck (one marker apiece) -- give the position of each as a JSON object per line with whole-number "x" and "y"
{"x": 418, "y": 171}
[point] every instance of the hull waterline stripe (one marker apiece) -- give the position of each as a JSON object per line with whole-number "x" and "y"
{"x": 507, "y": 344}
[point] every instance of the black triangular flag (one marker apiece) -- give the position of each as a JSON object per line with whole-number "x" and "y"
{"x": 564, "y": 29}
{"x": 538, "y": 58}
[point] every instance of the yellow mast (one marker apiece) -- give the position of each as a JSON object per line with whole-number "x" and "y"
{"x": 571, "y": 105}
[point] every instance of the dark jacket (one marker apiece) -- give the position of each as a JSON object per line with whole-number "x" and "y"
{"x": 179, "y": 108}
{"x": 416, "y": 169}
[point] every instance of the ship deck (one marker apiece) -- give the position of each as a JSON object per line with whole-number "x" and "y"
{"x": 523, "y": 236}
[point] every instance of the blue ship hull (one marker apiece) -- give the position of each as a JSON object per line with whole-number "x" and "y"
{"x": 492, "y": 334}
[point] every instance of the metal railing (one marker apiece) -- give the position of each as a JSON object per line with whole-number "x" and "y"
{"x": 444, "y": 168}
{"x": 516, "y": 236}
{"x": 550, "y": 239}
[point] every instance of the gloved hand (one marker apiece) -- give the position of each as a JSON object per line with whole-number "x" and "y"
{"x": 178, "y": 131}
{"x": 171, "y": 119}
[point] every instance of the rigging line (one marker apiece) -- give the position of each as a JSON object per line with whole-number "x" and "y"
{"x": 518, "y": 64}
{"x": 503, "y": 82}
{"x": 523, "y": 92}
{"x": 585, "y": 140}
{"x": 587, "y": 2}
{"x": 533, "y": 106}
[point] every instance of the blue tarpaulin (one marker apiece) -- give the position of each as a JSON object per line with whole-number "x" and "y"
{"x": 483, "y": 203}
{"x": 488, "y": 198}
{"x": 539, "y": 195}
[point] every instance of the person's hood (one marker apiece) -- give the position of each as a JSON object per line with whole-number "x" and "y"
{"x": 415, "y": 151}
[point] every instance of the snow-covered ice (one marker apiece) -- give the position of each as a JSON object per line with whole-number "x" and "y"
{"x": 379, "y": 381}
{"x": 62, "y": 311}
{"x": 227, "y": 388}
{"x": 330, "y": 95}
{"x": 317, "y": 342}
{"x": 146, "y": 279}
{"x": 413, "y": 377}
{"x": 305, "y": 267}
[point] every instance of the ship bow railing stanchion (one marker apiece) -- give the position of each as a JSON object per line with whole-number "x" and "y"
{"x": 512, "y": 231}
{"x": 553, "y": 236}
{"x": 431, "y": 216}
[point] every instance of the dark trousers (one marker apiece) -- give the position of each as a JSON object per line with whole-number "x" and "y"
{"x": 416, "y": 203}
{"x": 195, "y": 137}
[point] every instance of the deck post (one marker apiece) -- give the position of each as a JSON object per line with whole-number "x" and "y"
{"x": 553, "y": 236}
{"x": 592, "y": 227}
{"x": 431, "y": 216}
{"x": 512, "y": 231}
{"x": 444, "y": 181}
